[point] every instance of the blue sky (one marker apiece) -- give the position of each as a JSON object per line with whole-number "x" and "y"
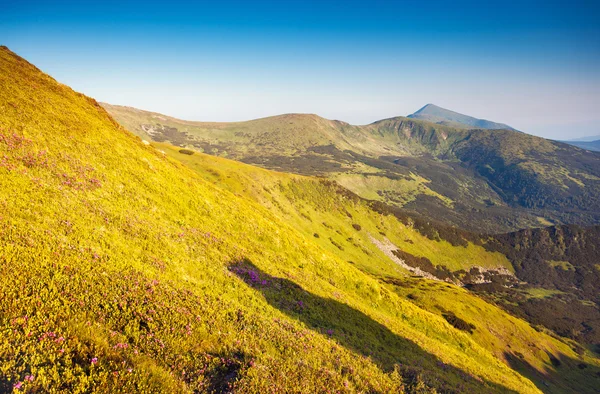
{"x": 534, "y": 65}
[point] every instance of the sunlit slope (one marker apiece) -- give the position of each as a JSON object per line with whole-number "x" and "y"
{"x": 345, "y": 226}
{"x": 338, "y": 222}
{"x": 283, "y": 134}
{"x": 123, "y": 270}
{"x": 481, "y": 180}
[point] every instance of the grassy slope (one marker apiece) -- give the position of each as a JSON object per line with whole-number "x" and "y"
{"x": 311, "y": 206}
{"x": 268, "y": 142}
{"x": 481, "y": 180}
{"x": 292, "y": 197}
{"x": 283, "y": 134}
{"x": 116, "y": 276}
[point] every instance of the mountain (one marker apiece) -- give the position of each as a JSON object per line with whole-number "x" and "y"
{"x": 123, "y": 269}
{"x": 491, "y": 181}
{"x": 589, "y": 145}
{"x": 551, "y": 281}
{"x": 435, "y": 114}
{"x": 585, "y": 139}
{"x": 560, "y": 266}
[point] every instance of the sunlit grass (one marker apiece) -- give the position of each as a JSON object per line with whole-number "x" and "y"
{"x": 115, "y": 270}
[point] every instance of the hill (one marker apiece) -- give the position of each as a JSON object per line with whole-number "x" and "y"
{"x": 588, "y": 138}
{"x": 435, "y": 114}
{"x": 539, "y": 284}
{"x": 480, "y": 180}
{"x": 125, "y": 270}
{"x": 589, "y": 145}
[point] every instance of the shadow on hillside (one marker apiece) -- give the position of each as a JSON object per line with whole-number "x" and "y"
{"x": 360, "y": 334}
{"x": 564, "y": 374}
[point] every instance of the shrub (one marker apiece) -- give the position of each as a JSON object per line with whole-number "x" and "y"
{"x": 186, "y": 151}
{"x": 458, "y": 323}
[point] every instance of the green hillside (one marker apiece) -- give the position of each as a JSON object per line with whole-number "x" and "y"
{"x": 123, "y": 270}
{"x": 480, "y": 180}
{"x": 568, "y": 302}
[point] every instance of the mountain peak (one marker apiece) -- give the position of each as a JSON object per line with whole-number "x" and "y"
{"x": 436, "y": 114}
{"x": 429, "y": 107}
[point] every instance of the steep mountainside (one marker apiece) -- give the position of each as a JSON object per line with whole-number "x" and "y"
{"x": 435, "y": 114}
{"x": 479, "y": 180}
{"x": 430, "y": 250}
{"x": 565, "y": 262}
{"x": 124, "y": 270}
{"x": 559, "y": 290}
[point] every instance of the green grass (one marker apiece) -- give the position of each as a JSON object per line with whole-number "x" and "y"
{"x": 507, "y": 337}
{"x": 565, "y": 265}
{"x": 313, "y": 207}
{"x": 538, "y": 292}
{"x": 488, "y": 181}
{"x": 395, "y": 192}
{"x": 125, "y": 270}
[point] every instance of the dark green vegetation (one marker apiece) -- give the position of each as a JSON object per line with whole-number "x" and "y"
{"x": 563, "y": 260}
{"x": 481, "y": 180}
{"x": 435, "y": 114}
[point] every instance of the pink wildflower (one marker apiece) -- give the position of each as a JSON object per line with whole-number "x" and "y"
{"x": 29, "y": 378}
{"x": 18, "y": 385}
{"x": 94, "y": 360}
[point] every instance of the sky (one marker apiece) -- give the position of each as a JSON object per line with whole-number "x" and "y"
{"x": 534, "y": 65}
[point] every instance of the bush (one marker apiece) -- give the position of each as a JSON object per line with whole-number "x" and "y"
{"x": 356, "y": 227}
{"x": 186, "y": 151}
{"x": 458, "y": 323}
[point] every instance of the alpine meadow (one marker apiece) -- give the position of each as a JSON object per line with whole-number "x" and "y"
{"x": 436, "y": 252}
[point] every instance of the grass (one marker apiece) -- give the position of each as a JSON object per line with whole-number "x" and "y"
{"x": 396, "y": 192}
{"x": 313, "y": 207}
{"x": 508, "y": 337}
{"x": 123, "y": 270}
{"x": 538, "y": 292}
{"x": 565, "y": 265}
{"x": 489, "y": 181}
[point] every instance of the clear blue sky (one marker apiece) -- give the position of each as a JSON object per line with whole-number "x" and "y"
{"x": 534, "y": 65}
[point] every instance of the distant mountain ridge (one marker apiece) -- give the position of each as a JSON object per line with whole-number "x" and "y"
{"x": 477, "y": 179}
{"x": 439, "y": 115}
{"x": 589, "y": 145}
{"x": 589, "y": 138}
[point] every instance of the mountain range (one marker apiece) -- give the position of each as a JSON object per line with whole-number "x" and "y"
{"x": 593, "y": 145}
{"x": 585, "y": 139}
{"x": 131, "y": 261}
{"x": 475, "y": 179}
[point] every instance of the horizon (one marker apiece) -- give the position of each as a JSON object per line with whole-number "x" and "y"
{"x": 532, "y": 65}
